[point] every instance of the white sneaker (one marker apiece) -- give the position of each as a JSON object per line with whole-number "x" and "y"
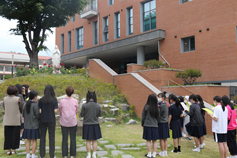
{"x": 183, "y": 134}
{"x": 203, "y": 144}
{"x": 22, "y": 142}
{"x": 196, "y": 150}
{"x": 88, "y": 156}
{"x": 93, "y": 156}
{"x": 161, "y": 153}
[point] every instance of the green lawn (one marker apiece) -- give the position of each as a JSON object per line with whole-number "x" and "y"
{"x": 132, "y": 134}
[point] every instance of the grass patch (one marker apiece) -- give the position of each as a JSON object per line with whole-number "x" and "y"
{"x": 131, "y": 134}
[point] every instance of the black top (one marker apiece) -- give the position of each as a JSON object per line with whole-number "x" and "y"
{"x": 175, "y": 112}
{"x": 47, "y": 111}
{"x": 202, "y": 111}
{"x": 194, "y": 112}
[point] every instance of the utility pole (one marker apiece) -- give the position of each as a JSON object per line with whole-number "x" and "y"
{"x": 12, "y": 64}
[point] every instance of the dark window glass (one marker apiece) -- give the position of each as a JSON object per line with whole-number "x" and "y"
{"x": 106, "y": 32}
{"x": 62, "y": 43}
{"x": 1, "y": 67}
{"x": 130, "y": 21}
{"x": 188, "y": 44}
{"x": 117, "y": 25}
{"x": 149, "y": 15}
{"x": 80, "y": 38}
{"x": 96, "y": 34}
{"x": 69, "y": 41}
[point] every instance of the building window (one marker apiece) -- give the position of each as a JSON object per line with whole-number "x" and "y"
{"x": 95, "y": 34}
{"x": 1, "y": 67}
{"x": 183, "y": 1}
{"x": 236, "y": 34}
{"x": 106, "y": 31}
{"x": 8, "y": 68}
{"x": 62, "y": 43}
{"x": 188, "y": 44}
{"x": 111, "y": 2}
{"x": 73, "y": 18}
{"x": 130, "y": 21}
{"x": 149, "y": 15}
{"x": 1, "y": 77}
{"x": 69, "y": 39}
{"x": 117, "y": 25}
{"x": 79, "y": 38}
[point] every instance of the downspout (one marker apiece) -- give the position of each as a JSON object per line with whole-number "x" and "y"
{"x": 162, "y": 55}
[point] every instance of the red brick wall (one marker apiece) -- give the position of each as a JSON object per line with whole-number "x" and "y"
{"x": 215, "y": 53}
{"x": 208, "y": 121}
{"x": 207, "y": 92}
{"x": 98, "y": 72}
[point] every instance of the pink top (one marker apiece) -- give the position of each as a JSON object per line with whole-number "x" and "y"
{"x": 68, "y": 108}
{"x": 232, "y": 117}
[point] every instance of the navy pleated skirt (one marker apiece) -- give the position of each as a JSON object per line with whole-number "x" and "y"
{"x": 164, "y": 130}
{"x": 150, "y": 133}
{"x": 31, "y": 134}
{"x": 176, "y": 129}
{"x": 195, "y": 131}
{"x": 91, "y": 132}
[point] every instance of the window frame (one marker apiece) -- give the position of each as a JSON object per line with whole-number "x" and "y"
{"x": 78, "y": 35}
{"x": 130, "y": 25}
{"x": 106, "y": 29}
{"x": 117, "y": 25}
{"x": 69, "y": 42}
{"x": 73, "y": 18}
{"x": 150, "y": 15}
{"x": 182, "y": 44}
{"x": 62, "y": 43}
{"x": 181, "y": 1}
{"x": 110, "y": 2}
{"x": 95, "y": 32}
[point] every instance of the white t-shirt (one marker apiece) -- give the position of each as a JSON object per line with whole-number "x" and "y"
{"x": 220, "y": 126}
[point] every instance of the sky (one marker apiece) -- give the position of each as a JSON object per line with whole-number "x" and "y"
{"x": 13, "y": 43}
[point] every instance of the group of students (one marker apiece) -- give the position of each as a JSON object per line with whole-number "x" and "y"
{"x": 160, "y": 115}
{"x": 39, "y": 116}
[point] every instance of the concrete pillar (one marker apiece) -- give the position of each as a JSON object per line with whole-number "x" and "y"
{"x": 140, "y": 55}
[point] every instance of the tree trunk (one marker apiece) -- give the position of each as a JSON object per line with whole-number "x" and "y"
{"x": 33, "y": 59}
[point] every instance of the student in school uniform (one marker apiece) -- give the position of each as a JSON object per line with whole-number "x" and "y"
{"x": 31, "y": 117}
{"x": 163, "y": 125}
{"x": 91, "y": 112}
{"x": 231, "y": 131}
{"x": 150, "y": 119}
{"x": 196, "y": 121}
{"x": 201, "y": 104}
{"x": 219, "y": 125}
{"x": 174, "y": 122}
{"x": 181, "y": 99}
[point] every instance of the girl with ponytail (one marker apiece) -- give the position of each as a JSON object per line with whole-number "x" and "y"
{"x": 91, "y": 112}
{"x": 174, "y": 122}
{"x": 219, "y": 125}
{"x": 196, "y": 122}
{"x": 31, "y": 118}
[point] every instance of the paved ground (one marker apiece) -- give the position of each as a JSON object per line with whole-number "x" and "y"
{"x": 104, "y": 149}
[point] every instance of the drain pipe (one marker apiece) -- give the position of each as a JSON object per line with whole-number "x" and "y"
{"x": 162, "y": 55}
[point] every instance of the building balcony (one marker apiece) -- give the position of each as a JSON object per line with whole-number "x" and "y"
{"x": 90, "y": 10}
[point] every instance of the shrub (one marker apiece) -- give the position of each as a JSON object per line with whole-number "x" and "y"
{"x": 7, "y": 77}
{"x": 153, "y": 64}
{"x": 189, "y": 76}
{"x": 234, "y": 98}
{"x": 132, "y": 111}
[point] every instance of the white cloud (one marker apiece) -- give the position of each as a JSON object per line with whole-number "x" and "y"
{"x": 14, "y": 43}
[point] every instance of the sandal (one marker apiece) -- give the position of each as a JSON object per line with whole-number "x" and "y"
{"x": 8, "y": 153}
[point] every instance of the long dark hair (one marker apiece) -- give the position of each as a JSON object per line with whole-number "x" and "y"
{"x": 162, "y": 95}
{"x": 32, "y": 95}
{"x": 181, "y": 99}
{"x": 174, "y": 98}
{"x": 26, "y": 91}
{"x": 199, "y": 98}
{"x": 19, "y": 88}
{"x": 49, "y": 95}
{"x": 226, "y": 101}
{"x": 152, "y": 106}
{"x": 193, "y": 97}
{"x": 218, "y": 99}
{"x": 91, "y": 95}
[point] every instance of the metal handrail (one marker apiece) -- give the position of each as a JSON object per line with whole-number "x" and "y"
{"x": 91, "y": 6}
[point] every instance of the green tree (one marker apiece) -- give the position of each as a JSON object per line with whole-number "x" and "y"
{"x": 189, "y": 76}
{"x": 35, "y": 17}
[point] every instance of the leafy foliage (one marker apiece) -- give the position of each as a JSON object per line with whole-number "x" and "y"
{"x": 48, "y": 69}
{"x": 189, "y": 76}
{"x": 153, "y": 64}
{"x": 35, "y": 17}
{"x": 234, "y": 98}
{"x": 7, "y": 77}
{"x": 80, "y": 83}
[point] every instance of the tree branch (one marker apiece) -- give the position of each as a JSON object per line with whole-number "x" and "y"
{"x": 43, "y": 33}
{"x": 24, "y": 37}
